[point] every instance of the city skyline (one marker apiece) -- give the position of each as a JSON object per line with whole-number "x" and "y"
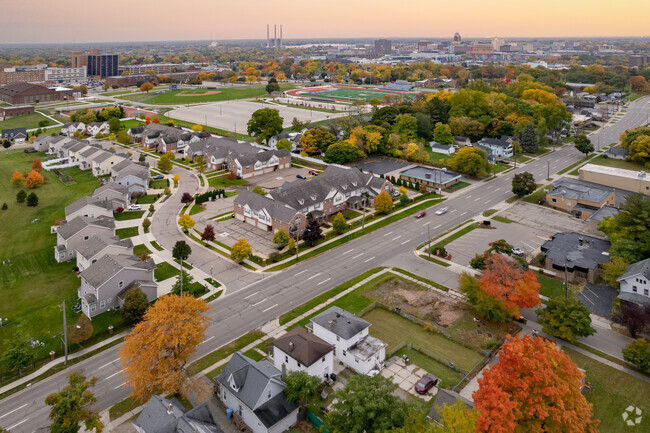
{"x": 380, "y": 18}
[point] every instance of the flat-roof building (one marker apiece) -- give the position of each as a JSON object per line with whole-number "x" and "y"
{"x": 630, "y": 180}
{"x": 431, "y": 177}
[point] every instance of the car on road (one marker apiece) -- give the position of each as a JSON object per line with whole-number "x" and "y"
{"x": 158, "y": 177}
{"x": 313, "y": 172}
{"x": 301, "y": 176}
{"x": 427, "y": 382}
{"x": 420, "y": 214}
{"x": 135, "y": 207}
{"x": 442, "y": 211}
{"x": 518, "y": 251}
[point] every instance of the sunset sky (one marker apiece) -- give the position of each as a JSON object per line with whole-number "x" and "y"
{"x": 77, "y": 21}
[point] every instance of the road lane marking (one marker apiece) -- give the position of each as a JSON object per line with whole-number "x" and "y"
{"x": 358, "y": 255}
{"x": 405, "y": 242}
{"x": 105, "y": 365}
{"x": 257, "y": 303}
{"x": 437, "y": 226}
{"x": 314, "y": 276}
{"x": 348, "y": 251}
{"x": 17, "y": 409}
{"x": 463, "y": 213}
{"x": 452, "y": 211}
{"x": 387, "y": 234}
{"x": 120, "y": 385}
{"x": 17, "y": 424}
{"x": 469, "y": 196}
{"x": 396, "y": 238}
{"x": 272, "y": 306}
{"x": 251, "y": 295}
{"x": 301, "y": 272}
{"x": 115, "y": 374}
{"x": 323, "y": 282}
{"x": 426, "y": 223}
{"x": 497, "y": 189}
{"x": 366, "y": 261}
{"x": 477, "y": 198}
{"x": 207, "y": 339}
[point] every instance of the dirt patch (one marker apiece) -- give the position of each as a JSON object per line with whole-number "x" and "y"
{"x": 208, "y": 92}
{"x": 303, "y": 427}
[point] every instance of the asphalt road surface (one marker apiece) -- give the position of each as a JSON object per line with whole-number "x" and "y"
{"x": 255, "y": 298}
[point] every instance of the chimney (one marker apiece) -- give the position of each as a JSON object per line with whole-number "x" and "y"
{"x": 580, "y": 241}
{"x": 291, "y": 346}
{"x": 170, "y": 409}
{"x": 330, "y": 323}
{"x": 283, "y": 375}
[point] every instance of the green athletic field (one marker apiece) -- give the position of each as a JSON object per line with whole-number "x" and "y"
{"x": 193, "y": 96}
{"x": 352, "y": 94}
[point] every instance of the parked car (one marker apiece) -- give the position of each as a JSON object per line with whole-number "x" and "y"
{"x": 426, "y": 383}
{"x": 442, "y": 211}
{"x": 135, "y": 207}
{"x": 313, "y": 173}
{"x": 301, "y": 176}
{"x": 518, "y": 251}
{"x": 158, "y": 176}
{"x": 30, "y": 150}
{"x": 420, "y": 214}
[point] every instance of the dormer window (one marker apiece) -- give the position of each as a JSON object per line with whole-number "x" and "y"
{"x": 344, "y": 186}
{"x": 301, "y": 201}
{"x": 313, "y": 197}
{"x": 354, "y": 183}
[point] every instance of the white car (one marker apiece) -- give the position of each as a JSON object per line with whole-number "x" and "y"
{"x": 441, "y": 211}
{"x": 135, "y": 207}
{"x": 518, "y": 251}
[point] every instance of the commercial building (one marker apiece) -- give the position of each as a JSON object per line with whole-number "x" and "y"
{"x": 157, "y": 68}
{"x": 66, "y": 75}
{"x": 97, "y": 64}
{"x": 132, "y": 80}
{"x": 22, "y": 74}
{"x": 26, "y": 93}
{"x": 579, "y": 254}
{"x": 20, "y": 110}
{"x": 581, "y": 199}
{"x": 433, "y": 178}
{"x": 630, "y": 180}
{"x": 383, "y": 46}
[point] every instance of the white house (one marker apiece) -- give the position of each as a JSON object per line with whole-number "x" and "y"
{"x": 70, "y": 128}
{"x": 299, "y": 350}
{"x": 89, "y": 207}
{"x": 118, "y": 195}
{"x": 635, "y": 283}
{"x": 500, "y": 147}
{"x": 255, "y": 393}
{"x": 353, "y": 346}
{"x": 441, "y": 148}
{"x": 72, "y": 234}
{"x": 133, "y": 175}
{"x": 97, "y": 247}
{"x": 98, "y": 128}
{"x": 85, "y": 157}
{"x": 103, "y": 163}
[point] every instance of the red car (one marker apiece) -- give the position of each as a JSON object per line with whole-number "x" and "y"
{"x": 426, "y": 383}
{"x": 313, "y": 172}
{"x": 420, "y": 214}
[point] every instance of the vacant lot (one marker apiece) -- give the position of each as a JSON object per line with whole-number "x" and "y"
{"x": 193, "y": 96}
{"x": 30, "y": 122}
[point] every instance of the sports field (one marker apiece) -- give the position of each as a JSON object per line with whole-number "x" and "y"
{"x": 193, "y": 96}
{"x": 348, "y": 94}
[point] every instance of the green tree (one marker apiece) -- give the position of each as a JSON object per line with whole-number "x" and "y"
{"x": 164, "y": 164}
{"x": 284, "y": 144}
{"x": 366, "y": 404}
{"x": 181, "y": 250}
{"x": 135, "y": 305}
{"x": 258, "y": 190}
{"x": 406, "y": 126}
{"x": 291, "y": 245}
{"x": 583, "y": 144}
{"x": 565, "y": 318}
{"x": 241, "y": 251}
{"x": 640, "y": 150}
{"x": 383, "y": 203}
{"x": 32, "y": 199}
{"x": 18, "y": 354}
{"x": 613, "y": 269}
{"x": 456, "y": 418}
{"x": 73, "y": 405}
{"x": 21, "y": 196}
{"x": 200, "y": 164}
{"x": 264, "y": 124}
{"x": 114, "y": 124}
{"x": 281, "y": 238}
{"x": 316, "y": 140}
{"x": 529, "y": 141}
{"x": 638, "y": 353}
{"x": 297, "y": 125}
{"x": 187, "y": 280}
{"x": 470, "y": 160}
{"x": 272, "y": 87}
{"x": 442, "y": 134}
{"x": 629, "y": 230}
{"x": 313, "y": 232}
{"x": 300, "y": 386}
{"x": 523, "y": 184}
{"x": 339, "y": 224}
{"x": 123, "y": 137}
{"x": 146, "y": 223}
{"x": 341, "y": 152}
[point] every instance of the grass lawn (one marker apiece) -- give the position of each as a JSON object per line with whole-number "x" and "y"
{"x": 489, "y": 212}
{"x": 29, "y": 121}
{"x": 437, "y": 158}
{"x": 127, "y": 232}
{"x": 141, "y": 249}
{"x": 353, "y": 94}
{"x": 156, "y": 246}
{"x": 128, "y": 215}
{"x": 159, "y": 184}
{"x": 612, "y": 392}
{"x": 457, "y": 186}
{"x": 223, "y": 181}
{"x": 165, "y": 271}
{"x": 534, "y": 197}
{"x": 147, "y": 199}
{"x": 553, "y": 288}
{"x": 617, "y": 163}
{"x": 351, "y": 214}
{"x": 448, "y": 376}
{"x": 502, "y": 219}
{"x": 193, "y": 96}
{"x": 196, "y": 209}
{"x": 225, "y": 351}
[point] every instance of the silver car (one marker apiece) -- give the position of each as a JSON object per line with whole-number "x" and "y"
{"x": 441, "y": 211}
{"x": 518, "y": 251}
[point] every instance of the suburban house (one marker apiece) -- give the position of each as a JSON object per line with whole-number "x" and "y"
{"x": 335, "y": 190}
{"x": 165, "y": 415}
{"x": 85, "y": 158}
{"x": 133, "y": 175}
{"x": 488, "y": 152}
{"x": 245, "y": 166}
{"x": 442, "y": 148}
{"x": 72, "y": 149}
{"x": 353, "y": 346}
{"x": 70, "y": 128}
{"x": 293, "y": 137}
{"x": 55, "y": 145}
{"x": 139, "y": 133}
{"x": 635, "y": 283}
{"x": 579, "y": 254}
{"x": 433, "y": 178}
{"x": 630, "y": 180}
{"x": 501, "y": 147}
{"x": 75, "y": 152}
{"x": 71, "y": 235}
{"x": 105, "y": 283}
{"x": 89, "y": 207}
{"x": 98, "y": 128}
{"x": 166, "y": 137}
{"x": 443, "y": 397}
{"x": 254, "y": 390}
{"x": 102, "y": 163}
{"x": 42, "y": 142}
{"x": 98, "y": 247}
{"x": 117, "y": 194}
{"x": 462, "y": 141}
{"x": 579, "y": 198}
{"x": 299, "y": 350}
{"x": 17, "y": 135}
{"x": 617, "y": 153}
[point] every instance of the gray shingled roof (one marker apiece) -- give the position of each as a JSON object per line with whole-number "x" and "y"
{"x": 252, "y": 158}
{"x": 156, "y": 413}
{"x": 634, "y": 297}
{"x": 87, "y": 201}
{"x": 121, "y": 165}
{"x": 494, "y": 142}
{"x": 576, "y": 189}
{"x": 133, "y": 170}
{"x": 103, "y": 269}
{"x": 639, "y": 268}
{"x": 618, "y": 151}
{"x": 446, "y": 396}
{"x": 95, "y": 245}
{"x": 340, "y": 322}
{"x": 303, "y": 346}
{"x": 275, "y": 410}
{"x": 581, "y": 251}
{"x": 602, "y": 213}
{"x": 70, "y": 228}
{"x": 257, "y": 202}
{"x": 111, "y": 186}
{"x": 88, "y": 152}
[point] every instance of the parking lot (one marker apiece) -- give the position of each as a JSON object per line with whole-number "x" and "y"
{"x": 551, "y": 220}
{"x": 529, "y": 239}
{"x": 381, "y": 164}
{"x": 276, "y": 179}
{"x": 231, "y": 230}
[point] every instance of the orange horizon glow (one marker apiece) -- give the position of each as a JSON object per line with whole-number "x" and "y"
{"x": 76, "y": 21}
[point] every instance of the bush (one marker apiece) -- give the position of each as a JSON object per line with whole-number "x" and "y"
{"x": 206, "y": 196}
{"x": 21, "y": 196}
{"x": 439, "y": 250}
{"x": 638, "y": 353}
{"x": 478, "y": 262}
{"x": 187, "y": 198}
{"x": 4, "y": 206}
{"x": 32, "y": 200}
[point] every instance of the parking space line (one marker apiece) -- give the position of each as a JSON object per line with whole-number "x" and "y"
{"x": 105, "y": 365}
{"x": 17, "y": 424}
{"x": 366, "y": 261}
{"x": 272, "y": 306}
{"x": 323, "y": 282}
{"x": 358, "y": 255}
{"x": 120, "y": 385}
{"x": 314, "y": 276}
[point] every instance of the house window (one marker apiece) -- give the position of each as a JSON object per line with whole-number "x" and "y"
{"x": 356, "y": 360}
{"x": 70, "y": 253}
{"x": 634, "y": 289}
{"x": 269, "y": 394}
{"x": 345, "y": 353}
{"x": 120, "y": 285}
{"x": 299, "y": 365}
{"x": 645, "y": 292}
{"x": 102, "y": 304}
{"x": 93, "y": 307}
{"x": 323, "y": 359}
{"x": 553, "y": 200}
{"x": 334, "y": 351}
{"x": 286, "y": 359}
{"x": 108, "y": 300}
{"x": 337, "y": 338}
{"x": 224, "y": 394}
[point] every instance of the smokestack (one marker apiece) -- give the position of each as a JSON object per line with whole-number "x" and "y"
{"x": 280, "y": 35}
{"x": 268, "y": 42}
{"x": 275, "y": 35}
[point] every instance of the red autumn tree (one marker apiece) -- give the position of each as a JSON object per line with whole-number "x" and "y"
{"x": 156, "y": 120}
{"x": 17, "y": 179}
{"x": 534, "y": 388}
{"x": 36, "y": 165}
{"x": 34, "y": 179}
{"x": 147, "y": 120}
{"x": 208, "y": 233}
{"x": 507, "y": 283}
{"x": 638, "y": 83}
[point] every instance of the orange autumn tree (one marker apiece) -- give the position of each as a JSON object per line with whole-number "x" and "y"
{"x": 534, "y": 388}
{"x": 34, "y": 179}
{"x": 157, "y": 350}
{"x": 17, "y": 179}
{"x": 504, "y": 281}
{"x": 36, "y": 165}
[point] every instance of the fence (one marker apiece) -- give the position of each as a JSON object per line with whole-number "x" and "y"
{"x": 317, "y": 422}
{"x": 468, "y": 377}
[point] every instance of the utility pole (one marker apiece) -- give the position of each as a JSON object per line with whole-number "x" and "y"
{"x": 65, "y": 335}
{"x": 181, "y": 275}
{"x": 298, "y": 242}
{"x": 548, "y": 169}
{"x": 363, "y": 219}
{"x": 566, "y": 280}
{"x": 429, "y": 238}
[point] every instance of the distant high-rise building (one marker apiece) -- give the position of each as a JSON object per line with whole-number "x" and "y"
{"x": 423, "y": 45}
{"x": 639, "y": 60}
{"x": 457, "y": 37}
{"x": 97, "y": 64}
{"x": 383, "y": 46}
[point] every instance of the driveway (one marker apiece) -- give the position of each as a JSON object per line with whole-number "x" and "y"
{"x": 231, "y": 230}
{"x": 406, "y": 376}
{"x": 529, "y": 239}
{"x": 599, "y": 298}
